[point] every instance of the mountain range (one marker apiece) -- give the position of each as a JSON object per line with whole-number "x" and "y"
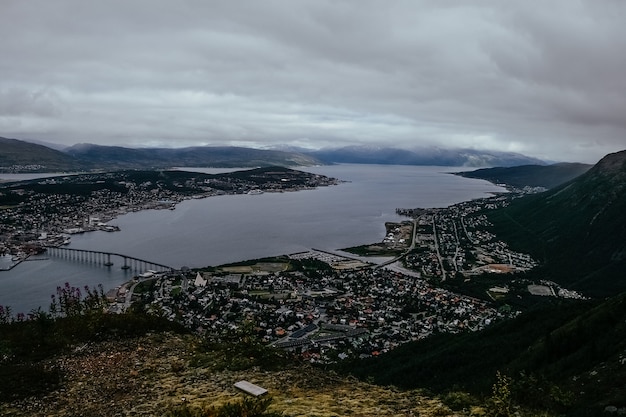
{"x": 422, "y": 156}
{"x": 198, "y": 156}
{"x": 22, "y": 156}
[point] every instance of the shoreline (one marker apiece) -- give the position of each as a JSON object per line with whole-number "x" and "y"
{"x": 15, "y": 263}
{"x": 113, "y": 214}
{"x": 97, "y": 220}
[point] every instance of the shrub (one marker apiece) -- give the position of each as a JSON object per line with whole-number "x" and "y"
{"x": 500, "y": 403}
{"x": 247, "y": 407}
{"x": 69, "y": 301}
{"x": 238, "y": 349}
{"x": 24, "y": 380}
{"x": 459, "y": 400}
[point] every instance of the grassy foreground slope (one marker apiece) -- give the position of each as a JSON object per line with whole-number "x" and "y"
{"x": 98, "y": 364}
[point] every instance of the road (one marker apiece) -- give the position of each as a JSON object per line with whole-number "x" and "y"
{"x": 443, "y": 271}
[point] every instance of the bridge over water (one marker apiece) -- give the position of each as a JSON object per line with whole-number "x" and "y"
{"x": 105, "y": 259}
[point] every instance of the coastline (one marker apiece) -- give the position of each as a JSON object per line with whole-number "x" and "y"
{"x": 334, "y": 217}
{"x": 103, "y": 205}
{"x": 14, "y": 262}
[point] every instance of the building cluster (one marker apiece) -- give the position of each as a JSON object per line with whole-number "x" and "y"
{"x": 398, "y": 235}
{"x": 47, "y": 212}
{"x": 335, "y": 261}
{"x": 18, "y": 168}
{"x": 552, "y": 289}
{"x": 454, "y": 241}
{"x": 323, "y": 315}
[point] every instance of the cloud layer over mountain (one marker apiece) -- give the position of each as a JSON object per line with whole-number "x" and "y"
{"x": 543, "y": 79}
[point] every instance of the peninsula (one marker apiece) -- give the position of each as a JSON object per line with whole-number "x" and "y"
{"x": 46, "y": 212}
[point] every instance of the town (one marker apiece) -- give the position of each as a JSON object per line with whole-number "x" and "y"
{"x": 322, "y": 311}
{"x": 453, "y": 242}
{"x": 331, "y": 306}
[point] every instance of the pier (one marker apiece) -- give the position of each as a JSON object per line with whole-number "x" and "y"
{"x": 105, "y": 259}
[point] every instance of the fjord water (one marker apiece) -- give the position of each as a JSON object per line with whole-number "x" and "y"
{"x": 222, "y": 229}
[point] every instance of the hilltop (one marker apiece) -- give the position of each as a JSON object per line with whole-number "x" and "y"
{"x": 143, "y": 365}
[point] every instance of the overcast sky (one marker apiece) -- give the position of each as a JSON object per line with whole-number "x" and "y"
{"x": 542, "y": 78}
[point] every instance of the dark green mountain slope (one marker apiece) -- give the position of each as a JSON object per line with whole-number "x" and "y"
{"x": 547, "y": 176}
{"x": 575, "y": 346}
{"x": 468, "y": 360}
{"x": 203, "y": 156}
{"x": 17, "y": 155}
{"x": 577, "y": 230}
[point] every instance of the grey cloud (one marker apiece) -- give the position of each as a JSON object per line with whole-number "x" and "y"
{"x": 500, "y": 75}
{"x": 15, "y": 101}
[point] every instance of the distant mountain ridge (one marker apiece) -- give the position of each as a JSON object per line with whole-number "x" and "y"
{"x": 425, "y": 156}
{"x": 197, "y": 156}
{"x": 547, "y": 176}
{"x": 90, "y": 156}
{"x": 22, "y": 156}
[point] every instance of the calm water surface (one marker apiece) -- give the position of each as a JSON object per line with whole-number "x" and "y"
{"x": 223, "y": 229}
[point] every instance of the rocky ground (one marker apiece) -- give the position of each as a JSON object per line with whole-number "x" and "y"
{"x": 150, "y": 375}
